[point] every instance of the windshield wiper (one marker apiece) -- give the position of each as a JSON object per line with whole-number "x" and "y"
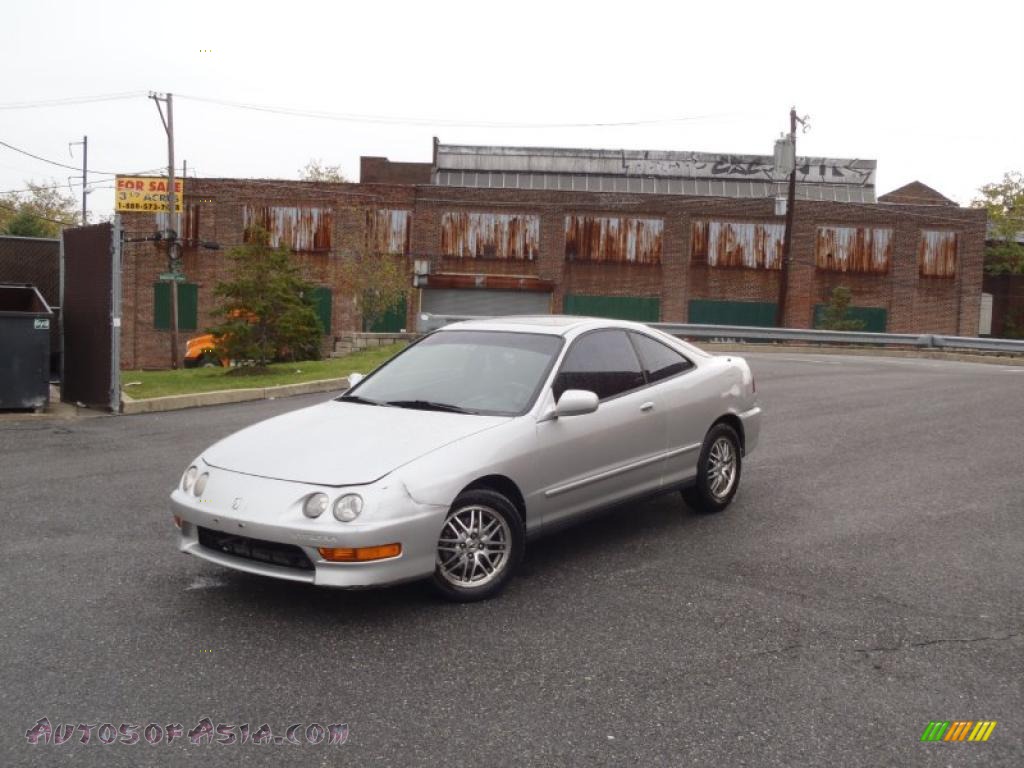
{"x": 358, "y": 399}
{"x": 428, "y": 405}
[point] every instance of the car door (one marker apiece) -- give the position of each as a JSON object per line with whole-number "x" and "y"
{"x": 674, "y": 380}
{"x": 599, "y": 458}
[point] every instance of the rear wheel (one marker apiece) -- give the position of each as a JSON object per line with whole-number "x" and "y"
{"x": 480, "y": 546}
{"x": 718, "y": 471}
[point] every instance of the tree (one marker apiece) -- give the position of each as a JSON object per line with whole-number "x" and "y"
{"x": 266, "y": 306}
{"x": 378, "y": 281}
{"x": 43, "y": 211}
{"x": 315, "y": 170}
{"x": 837, "y": 312}
{"x": 1004, "y": 203}
{"x": 26, "y": 224}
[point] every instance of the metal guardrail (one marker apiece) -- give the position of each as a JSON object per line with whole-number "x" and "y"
{"x": 737, "y": 333}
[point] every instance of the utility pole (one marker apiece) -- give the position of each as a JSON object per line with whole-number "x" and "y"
{"x": 85, "y": 176}
{"x": 787, "y": 246}
{"x": 85, "y": 179}
{"x": 173, "y": 246}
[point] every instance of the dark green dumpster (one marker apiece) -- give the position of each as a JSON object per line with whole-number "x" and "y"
{"x": 25, "y": 321}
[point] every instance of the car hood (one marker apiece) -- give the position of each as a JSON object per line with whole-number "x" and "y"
{"x": 339, "y": 443}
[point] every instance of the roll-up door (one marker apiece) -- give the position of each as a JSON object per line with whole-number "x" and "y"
{"x": 487, "y": 303}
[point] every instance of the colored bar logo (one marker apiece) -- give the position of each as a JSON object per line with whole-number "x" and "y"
{"x": 958, "y": 730}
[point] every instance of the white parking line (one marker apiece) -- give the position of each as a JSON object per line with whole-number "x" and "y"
{"x": 809, "y": 360}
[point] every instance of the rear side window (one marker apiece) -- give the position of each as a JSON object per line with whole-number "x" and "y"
{"x": 603, "y": 362}
{"x": 659, "y": 361}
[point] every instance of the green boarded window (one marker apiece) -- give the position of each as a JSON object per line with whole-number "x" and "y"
{"x": 753, "y": 313}
{"x": 644, "y": 309}
{"x": 875, "y": 319}
{"x": 321, "y": 296}
{"x": 188, "y": 306}
{"x": 392, "y": 322}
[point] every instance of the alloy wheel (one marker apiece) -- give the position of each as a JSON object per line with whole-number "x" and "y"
{"x": 474, "y": 547}
{"x": 721, "y": 467}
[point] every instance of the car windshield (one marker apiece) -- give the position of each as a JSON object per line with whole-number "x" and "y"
{"x": 492, "y": 372}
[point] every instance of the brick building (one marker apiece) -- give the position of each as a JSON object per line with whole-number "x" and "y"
{"x": 644, "y": 235}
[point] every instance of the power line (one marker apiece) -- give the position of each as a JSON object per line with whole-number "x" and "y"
{"x": 424, "y": 121}
{"x": 51, "y": 162}
{"x": 90, "y": 185}
{"x": 71, "y": 100}
{"x": 72, "y": 167}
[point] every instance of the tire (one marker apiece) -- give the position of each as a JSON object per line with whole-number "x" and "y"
{"x": 210, "y": 360}
{"x": 708, "y": 494}
{"x": 469, "y": 568}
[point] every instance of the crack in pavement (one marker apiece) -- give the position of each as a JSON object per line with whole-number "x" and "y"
{"x": 880, "y": 649}
{"x": 939, "y": 641}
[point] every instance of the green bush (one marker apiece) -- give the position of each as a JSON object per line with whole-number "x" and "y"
{"x": 266, "y": 306}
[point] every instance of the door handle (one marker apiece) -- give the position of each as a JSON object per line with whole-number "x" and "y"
{"x": 647, "y": 407}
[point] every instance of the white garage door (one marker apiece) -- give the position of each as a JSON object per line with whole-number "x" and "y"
{"x": 449, "y": 301}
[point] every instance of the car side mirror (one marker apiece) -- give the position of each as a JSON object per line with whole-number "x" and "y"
{"x": 576, "y": 402}
{"x": 354, "y": 378}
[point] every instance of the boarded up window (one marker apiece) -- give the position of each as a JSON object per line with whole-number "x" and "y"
{"x": 188, "y": 306}
{"x": 190, "y": 224}
{"x": 467, "y": 235}
{"x": 301, "y": 228}
{"x": 737, "y": 244}
{"x": 936, "y": 253}
{"x": 613, "y": 239}
{"x": 389, "y": 230}
{"x": 853, "y": 249}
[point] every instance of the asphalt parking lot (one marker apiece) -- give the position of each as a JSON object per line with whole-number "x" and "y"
{"x": 868, "y": 579}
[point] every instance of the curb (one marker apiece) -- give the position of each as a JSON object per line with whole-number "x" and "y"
{"x": 130, "y": 405}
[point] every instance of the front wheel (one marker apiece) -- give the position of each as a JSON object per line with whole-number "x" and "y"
{"x": 718, "y": 471}
{"x": 480, "y": 546}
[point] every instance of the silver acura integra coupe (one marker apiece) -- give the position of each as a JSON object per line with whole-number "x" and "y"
{"x": 445, "y": 459}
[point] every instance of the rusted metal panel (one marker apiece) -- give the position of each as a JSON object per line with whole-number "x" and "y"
{"x": 473, "y": 235}
{"x": 389, "y": 230}
{"x": 748, "y": 244}
{"x": 936, "y": 253}
{"x": 299, "y": 227}
{"x": 190, "y": 223}
{"x": 613, "y": 239}
{"x": 854, "y": 249}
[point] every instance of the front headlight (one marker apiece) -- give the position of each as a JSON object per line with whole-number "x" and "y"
{"x": 315, "y": 505}
{"x": 348, "y": 507}
{"x": 189, "y": 478}
{"x": 201, "y": 483}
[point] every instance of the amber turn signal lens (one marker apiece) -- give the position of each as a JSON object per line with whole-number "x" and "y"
{"x": 177, "y": 521}
{"x": 359, "y": 554}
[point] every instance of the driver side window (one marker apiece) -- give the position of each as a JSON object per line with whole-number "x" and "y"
{"x": 603, "y": 362}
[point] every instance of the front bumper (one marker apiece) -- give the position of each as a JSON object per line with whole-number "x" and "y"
{"x": 255, "y": 525}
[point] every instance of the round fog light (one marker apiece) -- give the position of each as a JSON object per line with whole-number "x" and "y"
{"x": 201, "y": 483}
{"x": 189, "y": 478}
{"x": 348, "y": 507}
{"x": 315, "y": 505}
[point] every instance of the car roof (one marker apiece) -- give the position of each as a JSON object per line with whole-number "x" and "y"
{"x": 555, "y": 325}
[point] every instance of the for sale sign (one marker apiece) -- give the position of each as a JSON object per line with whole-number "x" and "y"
{"x": 146, "y": 193}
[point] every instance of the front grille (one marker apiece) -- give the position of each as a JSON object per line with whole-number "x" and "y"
{"x": 285, "y": 555}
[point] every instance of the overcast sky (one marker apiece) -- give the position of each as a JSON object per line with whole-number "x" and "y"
{"x": 933, "y": 91}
